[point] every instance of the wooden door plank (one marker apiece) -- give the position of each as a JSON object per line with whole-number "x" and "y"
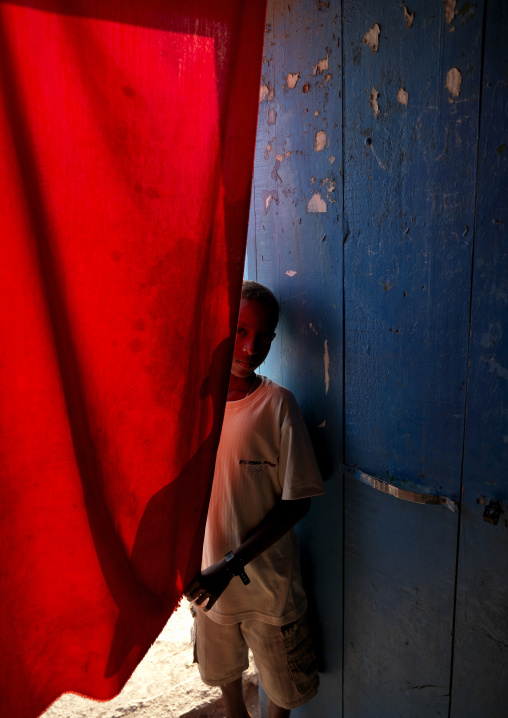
{"x": 295, "y": 248}
{"x": 480, "y": 685}
{"x": 409, "y": 188}
{"x": 399, "y": 605}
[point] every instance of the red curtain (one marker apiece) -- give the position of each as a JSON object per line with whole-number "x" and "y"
{"x": 127, "y": 135}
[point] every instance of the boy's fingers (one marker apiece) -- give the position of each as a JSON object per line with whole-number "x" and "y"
{"x": 210, "y": 603}
{"x": 193, "y": 585}
{"x": 193, "y": 593}
{"x": 197, "y": 593}
{"x": 194, "y": 588}
{"x": 201, "y": 599}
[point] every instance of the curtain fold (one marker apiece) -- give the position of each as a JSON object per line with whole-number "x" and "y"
{"x": 127, "y": 134}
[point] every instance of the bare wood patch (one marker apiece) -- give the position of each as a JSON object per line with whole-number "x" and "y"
{"x": 453, "y": 81}
{"x": 374, "y": 94}
{"x": 292, "y": 80}
{"x": 371, "y": 38}
{"x": 408, "y": 17}
{"x": 403, "y": 96}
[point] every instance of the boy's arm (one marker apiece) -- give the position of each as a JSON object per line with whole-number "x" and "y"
{"x": 211, "y": 582}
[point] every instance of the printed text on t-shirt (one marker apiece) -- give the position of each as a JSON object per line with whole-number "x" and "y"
{"x": 251, "y": 465}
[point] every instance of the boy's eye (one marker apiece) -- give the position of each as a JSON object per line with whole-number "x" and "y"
{"x": 264, "y": 338}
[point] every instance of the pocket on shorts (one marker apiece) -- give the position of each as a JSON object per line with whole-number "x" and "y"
{"x": 194, "y": 634}
{"x": 300, "y": 655}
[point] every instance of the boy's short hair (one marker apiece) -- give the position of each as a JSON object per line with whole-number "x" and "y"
{"x": 260, "y": 293}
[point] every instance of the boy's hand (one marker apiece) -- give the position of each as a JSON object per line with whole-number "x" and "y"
{"x": 208, "y": 584}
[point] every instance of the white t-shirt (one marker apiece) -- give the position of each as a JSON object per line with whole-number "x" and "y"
{"x": 264, "y": 454}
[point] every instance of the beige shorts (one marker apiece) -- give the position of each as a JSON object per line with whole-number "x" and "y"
{"x": 284, "y": 656}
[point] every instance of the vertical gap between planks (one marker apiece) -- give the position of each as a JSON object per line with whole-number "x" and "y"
{"x": 285, "y": 21}
{"x": 254, "y": 253}
{"x": 466, "y": 398}
{"x": 343, "y": 447}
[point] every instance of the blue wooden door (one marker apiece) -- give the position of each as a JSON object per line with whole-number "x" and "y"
{"x": 410, "y": 211}
{"x": 480, "y": 665}
{"x": 379, "y": 219}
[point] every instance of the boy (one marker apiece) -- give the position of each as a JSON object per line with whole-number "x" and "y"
{"x": 265, "y": 474}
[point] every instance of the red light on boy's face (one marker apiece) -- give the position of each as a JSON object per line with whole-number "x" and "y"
{"x": 254, "y": 335}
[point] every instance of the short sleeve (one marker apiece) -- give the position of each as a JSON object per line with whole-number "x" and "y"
{"x": 299, "y": 474}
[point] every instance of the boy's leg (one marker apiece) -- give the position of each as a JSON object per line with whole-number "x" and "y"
{"x": 235, "y": 707}
{"x": 234, "y": 703}
{"x": 286, "y": 663}
{"x": 276, "y": 711}
{"x": 222, "y": 655}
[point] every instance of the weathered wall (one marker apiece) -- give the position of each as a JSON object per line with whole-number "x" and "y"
{"x": 379, "y": 219}
{"x": 295, "y": 248}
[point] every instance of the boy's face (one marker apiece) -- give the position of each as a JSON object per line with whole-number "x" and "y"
{"x": 254, "y": 335}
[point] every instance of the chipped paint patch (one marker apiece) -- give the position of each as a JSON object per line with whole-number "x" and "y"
{"x": 408, "y": 17}
{"x": 291, "y": 272}
{"x": 316, "y": 114}
{"x": 371, "y": 38}
{"x": 495, "y": 366}
{"x": 449, "y": 10}
{"x": 265, "y": 93}
{"x": 403, "y": 96}
{"x": 331, "y": 159}
{"x": 292, "y": 80}
{"x": 330, "y": 188}
{"x": 322, "y": 425}
{"x": 320, "y": 142}
{"x": 267, "y": 198}
{"x": 312, "y": 328}
{"x": 381, "y": 165}
{"x": 269, "y": 148}
{"x": 327, "y": 367}
{"x": 453, "y": 81}
{"x": 374, "y": 94}
{"x": 306, "y": 87}
{"x": 328, "y": 77}
{"x": 322, "y": 65}
{"x": 316, "y": 204}
{"x": 281, "y": 158}
{"x": 275, "y": 172}
{"x": 272, "y": 117}
{"x": 491, "y": 338}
